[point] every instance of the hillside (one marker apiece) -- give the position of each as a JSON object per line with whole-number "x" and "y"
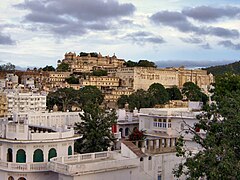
{"x": 218, "y": 70}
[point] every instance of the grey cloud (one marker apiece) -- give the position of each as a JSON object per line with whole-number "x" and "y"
{"x": 191, "y": 63}
{"x": 142, "y": 37}
{"x": 206, "y": 46}
{"x": 6, "y": 40}
{"x": 179, "y": 21}
{"x": 230, "y": 44}
{"x": 85, "y": 14}
{"x": 207, "y": 13}
{"x": 192, "y": 40}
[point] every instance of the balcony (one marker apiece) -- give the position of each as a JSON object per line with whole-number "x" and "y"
{"x": 91, "y": 163}
{"x": 23, "y": 167}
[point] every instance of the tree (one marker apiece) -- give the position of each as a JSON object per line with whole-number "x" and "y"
{"x": 99, "y": 72}
{"x": 95, "y": 129}
{"x": 174, "y": 93}
{"x": 193, "y": 92}
{"x": 64, "y": 98}
{"x": 90, "y": 94}
{"x": 63, "y": 67}
{"x": 137, "y": 135}
{"x": 158, "y": 94}
{"x": 48, "y": 68}
{"x": 146, "y": 63}
{"x": 130, "y": 63}
{"x": 7, "y": 67}
{"x": 139, "y": 99}
{"x": 220, "y": 154}
{"x": 72, "y": 80}
{"x": 122, "y": 101}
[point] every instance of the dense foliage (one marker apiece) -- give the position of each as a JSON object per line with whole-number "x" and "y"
{"x": 63, "y": 67}
{"x": 229, "y": 68}
{"x": 141, "y": 63}
{"x": 220, "y": 154}
{"x": 174, "y": 93}
{"x": 65, "y": 98}
{"x": 193, "y": 92}
{"x": 99, "y": 72}
{"x": 156, "y": 94}
{"x": 7, "y": 67}
{"x": 72, "y": 80}
{"x": 95, "y": 129}
{"x": 48, "y": 68}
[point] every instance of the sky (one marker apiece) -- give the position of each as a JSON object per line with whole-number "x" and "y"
{"x": 192, "y": 33}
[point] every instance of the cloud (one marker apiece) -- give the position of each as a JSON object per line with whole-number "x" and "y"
{"x": 179, "y": 21}
{"x": 230, "y": 44}
{"x": 142, "y": 37}
{"x": 75, "y": 17}
{"x": 206, "y": 46}
{"x": 207, "y": 13}
{"x": 6, "y": 40}
{"x": 192, "y": 40}
{"x": 191, "y": 63}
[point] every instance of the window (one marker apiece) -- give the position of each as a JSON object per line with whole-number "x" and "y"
{"x": 52, "y": 153}
{"x": 70, "y": 150}
{"x": 159, "y": 177}
{"x": 38, "y": 156}
{"x": 9, "y": 155}
{"x": 21, "y": 156}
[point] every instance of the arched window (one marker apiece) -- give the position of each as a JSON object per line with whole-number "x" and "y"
{"x": 126, "y": 131}
{"x": 9, "y": 156}
{"x": 52, "y": 153}
{"x": 10, "y": 178}
{"x": 21, "y": 178}
{"x": 121, "y": 130}
{"x": 70, "y": 150}
{"x": 38, "y": 156}
{"x": 21, "y": 156}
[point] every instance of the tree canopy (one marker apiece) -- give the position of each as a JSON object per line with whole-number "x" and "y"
{"x": 7, "y": 67}
{"x": 48, "y": 68}
{"x": 95, "y": 128}
{"x": 99, "y": 72}
{"x": 72, "y": 80}
{"x": 220, "y": 154}
{"x": 174, "y": 93}
{"x": 63, "y": 67}
{"x": 156, "y": 94}
{"x": 140, "y": 63}
{"x": 193, "y": 92}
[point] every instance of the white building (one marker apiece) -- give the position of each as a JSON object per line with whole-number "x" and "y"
{"x": 25, "y": 102}
{"x": 25, "y": 150}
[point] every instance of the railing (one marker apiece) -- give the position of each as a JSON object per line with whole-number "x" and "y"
{"x": 92, "y": 166}
{"x": 26, "y": 167}
{"x": 82, "y": 157}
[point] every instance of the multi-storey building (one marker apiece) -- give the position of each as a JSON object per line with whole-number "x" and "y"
{"x": 88, "y": 62}
{"x": 3, "y": 105}
{"x": 143, "y": 77}
{"x": 24, "y": 102}
{"x": 101, "y": 82}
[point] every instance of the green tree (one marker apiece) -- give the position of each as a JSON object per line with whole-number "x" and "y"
{"x": 219, "y": 157}
{"x": 174, "y": 93}
{"x": 63, "y": 67}
{"x": 72, "y": 80}
{"x": 122, "y": 101}
{"x": 48, "y": 68}
{"x": 146, "y": 63}
{"x": 130, "y": 63}
{"x": 7, "y": 67}
{"x": 158, "y": 94}
{"x": 64, "y": 98}
{"x": 193, "y": 92}
{"x": 139, "y": 99}
{"x": 90, "y": 94}
{"x": 99, "y": 72}
{"x": 95, "y": 129}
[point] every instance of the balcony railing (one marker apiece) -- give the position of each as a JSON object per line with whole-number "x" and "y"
{"x": 23, "y": 167}
{"x": 89, "y": 163}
